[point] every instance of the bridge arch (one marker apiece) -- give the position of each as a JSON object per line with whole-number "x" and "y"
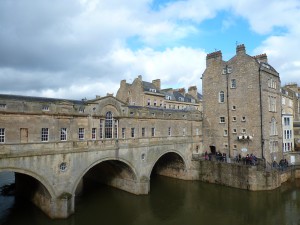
{"x": 118, "y": 172}
{"x": 49, "y": 188}
{"x": 171, "y": 163}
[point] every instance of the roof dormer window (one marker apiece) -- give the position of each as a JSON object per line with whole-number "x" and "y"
{"x": 2, "y": 106}
{"x": 168, "y": 97}
{"x": 181, "y": 99}
{"x": 152, "y": 90}
{"x": 45, "y": 108}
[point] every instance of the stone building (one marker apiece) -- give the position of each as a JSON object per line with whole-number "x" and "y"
{"x": 293, "y": 91}
{"x": 242, "y": 106}
{"x": 287, "y": 120}
{"x": 143, "y": 93}
{"x": 26, "y": 119}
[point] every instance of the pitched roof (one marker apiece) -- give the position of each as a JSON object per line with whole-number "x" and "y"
{"x": 38, "y": 99}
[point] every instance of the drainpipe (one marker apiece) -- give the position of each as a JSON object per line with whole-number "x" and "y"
{"x": 228, "y": 122}
{"x": 261, "y": 114}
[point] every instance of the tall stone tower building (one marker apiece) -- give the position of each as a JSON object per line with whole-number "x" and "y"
{"x": 242, "y": 106}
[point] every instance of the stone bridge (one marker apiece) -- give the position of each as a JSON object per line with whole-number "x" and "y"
{"x": 52, "y": 174}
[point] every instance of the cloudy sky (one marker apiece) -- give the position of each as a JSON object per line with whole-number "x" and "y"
{"x": 83, "y": 48}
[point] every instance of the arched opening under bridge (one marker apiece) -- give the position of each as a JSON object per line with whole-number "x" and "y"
{"x": 113, "y": 173}
{"x": 170, "y": 164}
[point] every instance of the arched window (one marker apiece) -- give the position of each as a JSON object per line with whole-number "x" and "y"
{"x": 108, "y": 125}
{"x": 221, "y": 97}
{"x": 273, "y": 127}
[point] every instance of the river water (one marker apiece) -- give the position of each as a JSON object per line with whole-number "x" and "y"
{"x": 171, "y": 201}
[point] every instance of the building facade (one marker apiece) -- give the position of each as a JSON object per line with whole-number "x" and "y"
{"x": 293, "y": 91}
{"x": 33, "y": 119}
{"x": 242, "y": 106}
{"x": 150, "y": 94}
{"x": 287, "y": 120}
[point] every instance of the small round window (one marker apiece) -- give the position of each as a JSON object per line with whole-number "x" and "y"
{"x": 143, "y": 156}
{"x": 63, "y": 167}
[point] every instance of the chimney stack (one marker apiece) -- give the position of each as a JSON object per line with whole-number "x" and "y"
{"x": 156, "y": 83}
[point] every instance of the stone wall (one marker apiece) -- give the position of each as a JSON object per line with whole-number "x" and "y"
{"x": 238, "y": 176}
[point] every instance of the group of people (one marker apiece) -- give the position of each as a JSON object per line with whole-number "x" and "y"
{"x": 222, "y": 157}
{"x": 248, "y": 160}
{"x": 283, "y": 164}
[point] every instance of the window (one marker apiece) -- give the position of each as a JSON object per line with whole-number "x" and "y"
{"x": 221, "y": 97}
{"x": 132, "y": 132}
{"x": 243, "y": 118}
{"x": 233, "y": 83}
{"x": 225, "y": 132}
{"x": 234, "y": 146}
{"x": 148, "y": 102}
{"x": 153, "y": 131}
{"x": 273, "y": 130}
{"x": 81, "y": 133}
{"x": 116, "y": 128}
{"x": 123, "y": 132}
{"x": 226, "y": 70}
{"x": 94, "y": 133}
{"x": 168, "y": 97}
{"x": 45, "y": 108}
{"x": 143, "y": 131}
{"x": 197, "y": 131}
{"x": 272, "y": 84}
{"x": 243, "y": 130}
{"x": 45, "y": 134}
{"x": 152, "y": 90}
{"x": 108, "y": 125}
{"x": 273, "y": 146}
{"x": 2, "y": 135}
{"x": 283, "y": 101}
{"x": 234, "y": 130}
{"x": 155, "y": 102}
{"x": 181, "y": 99}
{"x": 287, "y": 134}
{"x": 169, "y": 131}
{"x": 272, "y": 104}
{"x": 63, "y": 134}
{"x": 234, "y": 118}
{"x": 2, "y": 106}
{"x": 63, "y": 166}
{"x": 183, "y": 132}
{"x": 101, "y": 129}
{"x": 286, "y": 121}
{"x": 222, "y": 119}
{"x": 81, "y": 110}
{"x": 233, "y": 107}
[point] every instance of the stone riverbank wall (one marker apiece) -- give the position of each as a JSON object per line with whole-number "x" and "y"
{"x": 254, "y": 178}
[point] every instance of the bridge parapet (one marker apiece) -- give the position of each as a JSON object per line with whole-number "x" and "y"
{"x": 46, "y": 148}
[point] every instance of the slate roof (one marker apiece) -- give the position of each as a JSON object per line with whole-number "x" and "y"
{"x": 38, "y": 99}
{"x": 147, "y": 86}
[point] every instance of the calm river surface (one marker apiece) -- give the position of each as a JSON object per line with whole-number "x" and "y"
{"x": 171, "y": 201}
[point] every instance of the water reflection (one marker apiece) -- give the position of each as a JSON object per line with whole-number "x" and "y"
{"x": 171, "y": 201}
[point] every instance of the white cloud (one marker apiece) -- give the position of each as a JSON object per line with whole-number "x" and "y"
{"x": 76, "y": 49}
{"x": 176, "y": 67}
